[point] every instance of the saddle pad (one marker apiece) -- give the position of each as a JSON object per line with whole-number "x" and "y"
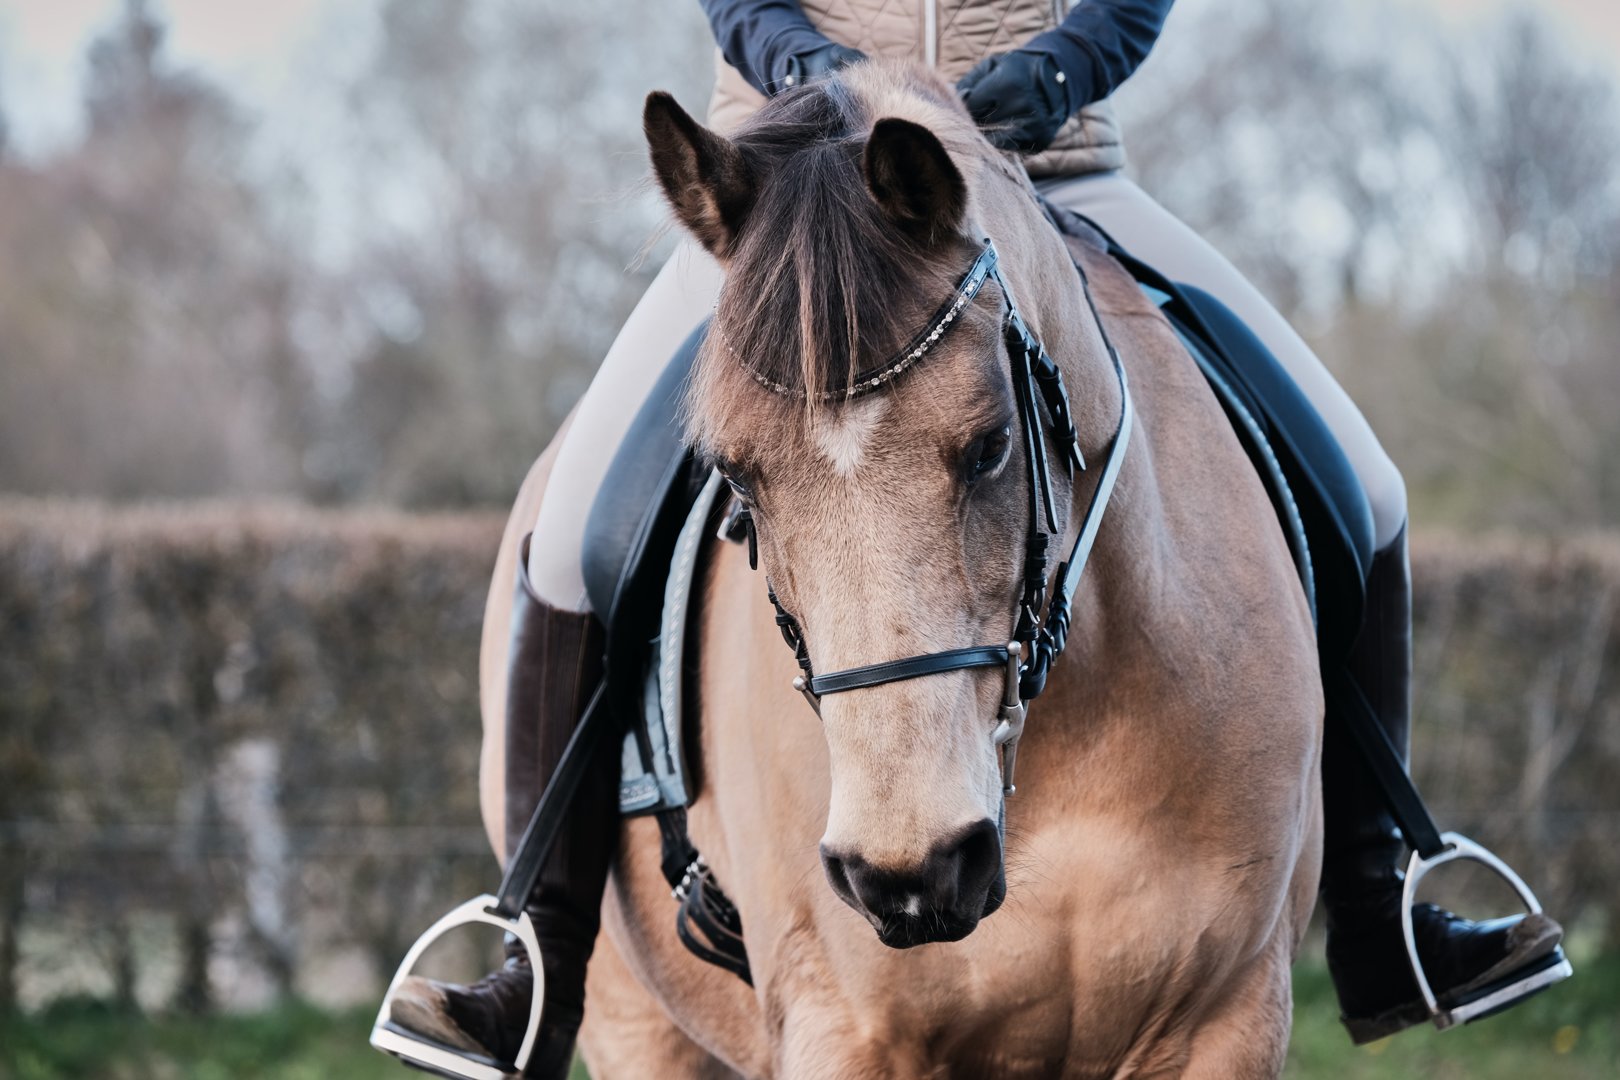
{"x": 632, "y": 530}
{"x": 653, "y": 777}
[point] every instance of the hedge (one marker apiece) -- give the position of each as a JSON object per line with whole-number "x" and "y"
{"x": 238, "y": 744}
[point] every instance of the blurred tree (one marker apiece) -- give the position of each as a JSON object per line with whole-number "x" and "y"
{"x": 493, "y": 234}
{"x": 1499, "y": 396}
{"x": 144, "y": 302}
{"x": 5, "y": 132}
{"x": 1531, "y": 136}
{"x": 1435, "y": 206}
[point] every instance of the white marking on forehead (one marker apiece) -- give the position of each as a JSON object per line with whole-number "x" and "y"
{"x": 842, "y": 438}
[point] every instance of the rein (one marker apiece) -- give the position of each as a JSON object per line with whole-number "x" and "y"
{"x": 1041, "y": 628}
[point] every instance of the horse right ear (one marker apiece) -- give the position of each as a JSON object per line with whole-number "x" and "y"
{"x": 704, "y": 176}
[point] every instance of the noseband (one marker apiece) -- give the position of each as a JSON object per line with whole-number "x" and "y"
{"x": 1040, "y": 629}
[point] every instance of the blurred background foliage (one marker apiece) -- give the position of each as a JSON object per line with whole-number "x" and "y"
{"x": 404, "y": 314}
{"x": 175, "y": 321}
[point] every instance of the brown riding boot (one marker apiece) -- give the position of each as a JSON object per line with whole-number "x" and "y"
{"x": 1363, "y": 851}
{"x": 554, "y": 665}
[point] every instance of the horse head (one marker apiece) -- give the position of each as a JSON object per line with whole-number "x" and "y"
{"x": 885, "y": 473}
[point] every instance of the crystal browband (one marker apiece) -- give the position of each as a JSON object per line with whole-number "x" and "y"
{"x": 968, "y": 288}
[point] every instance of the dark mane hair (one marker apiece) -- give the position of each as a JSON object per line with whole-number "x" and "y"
{"x": 821, "y": 286}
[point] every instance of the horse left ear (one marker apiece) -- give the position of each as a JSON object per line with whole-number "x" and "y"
{"x": 914, "y": 180}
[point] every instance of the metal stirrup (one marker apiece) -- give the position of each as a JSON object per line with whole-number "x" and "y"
{"x": 1432, "y": 848}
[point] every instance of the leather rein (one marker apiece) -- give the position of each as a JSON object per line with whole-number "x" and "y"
{"x": 1041, "y": 628}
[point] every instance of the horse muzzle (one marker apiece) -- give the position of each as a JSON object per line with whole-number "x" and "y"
{"x": 961, "y": 881}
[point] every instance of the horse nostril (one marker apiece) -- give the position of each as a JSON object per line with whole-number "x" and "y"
{"x": 942, "y": 899}
{"x": 975, "y": 858}
{"x": 838, "y": 877}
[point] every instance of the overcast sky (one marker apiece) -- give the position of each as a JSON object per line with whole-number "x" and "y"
{"x": 255, "y": 48}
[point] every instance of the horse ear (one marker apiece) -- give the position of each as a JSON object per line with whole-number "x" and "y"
{"x": 913, "y": 179}
{"x": 705, "y": 177}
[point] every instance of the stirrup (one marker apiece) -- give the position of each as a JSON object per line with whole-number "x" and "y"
{"x": 1482, "y": 1001}
{"x": 433, "y": 1056}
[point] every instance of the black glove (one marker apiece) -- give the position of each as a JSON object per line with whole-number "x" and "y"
{"x": 802, "y": 67}
{"x": 1020, "y": 98}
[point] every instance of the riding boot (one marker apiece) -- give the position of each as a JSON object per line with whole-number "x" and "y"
{"x": 553, "y": 666}
{"x": 1364, "y": 851}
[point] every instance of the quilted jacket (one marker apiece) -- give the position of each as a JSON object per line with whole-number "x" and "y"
{"x": 951, "y": 35}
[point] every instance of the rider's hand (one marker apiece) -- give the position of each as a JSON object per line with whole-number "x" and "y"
{"x": 1020, "y": 98}
{"x": 802, "y": 67}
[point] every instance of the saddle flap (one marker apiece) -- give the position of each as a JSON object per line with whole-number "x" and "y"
{"x": 654, "y": 775}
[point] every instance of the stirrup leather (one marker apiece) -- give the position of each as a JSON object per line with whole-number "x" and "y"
{"x": 1487, "y": 1000}
{"x": 433, "y": 1056}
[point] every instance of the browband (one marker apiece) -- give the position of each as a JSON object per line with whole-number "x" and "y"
{"x": 983, "y": 268}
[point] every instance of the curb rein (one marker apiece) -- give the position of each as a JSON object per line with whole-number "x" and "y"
{"x": 1037, "y": 641}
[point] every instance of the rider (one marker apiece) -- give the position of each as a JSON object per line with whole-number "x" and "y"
{"x": 1039, "y": 84}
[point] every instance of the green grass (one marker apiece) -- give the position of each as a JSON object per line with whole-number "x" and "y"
{"x": 295, "y": 1042}
{"x": 1569, "y": 1033}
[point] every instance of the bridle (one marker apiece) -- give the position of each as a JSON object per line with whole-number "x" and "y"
{"x": 1041, "y": 628}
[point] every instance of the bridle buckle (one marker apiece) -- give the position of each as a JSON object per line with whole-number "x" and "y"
{"x": 802, "y": 685}
{"x": 1010, "y": 717}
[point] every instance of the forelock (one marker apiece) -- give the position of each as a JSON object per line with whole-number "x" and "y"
{"x": 821, "y": 287}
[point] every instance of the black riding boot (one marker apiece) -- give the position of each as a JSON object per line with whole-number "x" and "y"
{"x": 1364, "y": 852}
{"x": 554, "y": 665}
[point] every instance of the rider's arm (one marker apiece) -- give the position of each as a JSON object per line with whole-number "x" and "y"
{"x": 1101, "y": 42}
{"x": 1022, "y": 98}
{"x": 758, "y": 37}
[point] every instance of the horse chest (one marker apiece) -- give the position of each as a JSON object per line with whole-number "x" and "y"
{"x": 1063, "y": 982}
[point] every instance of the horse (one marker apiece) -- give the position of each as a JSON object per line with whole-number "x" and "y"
{"x": 1134, "y": 909}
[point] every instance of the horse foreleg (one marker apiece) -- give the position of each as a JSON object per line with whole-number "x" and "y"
{"x": 1246, "y": 1035}
{"x": 627, "y": 1033}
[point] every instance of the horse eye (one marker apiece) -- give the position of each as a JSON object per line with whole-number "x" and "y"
{"x": 986, "y": 452}
{"x": 738, "y": 487}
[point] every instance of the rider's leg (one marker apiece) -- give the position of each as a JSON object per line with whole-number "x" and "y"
{"x": 680, "y": 297}
{"x": 553, "y": 665}
{"x": 1157, "y": 237}
{"x": 1363, "y": 850}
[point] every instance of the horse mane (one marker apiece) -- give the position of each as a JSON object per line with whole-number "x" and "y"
{"x": 821, "y": 287}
